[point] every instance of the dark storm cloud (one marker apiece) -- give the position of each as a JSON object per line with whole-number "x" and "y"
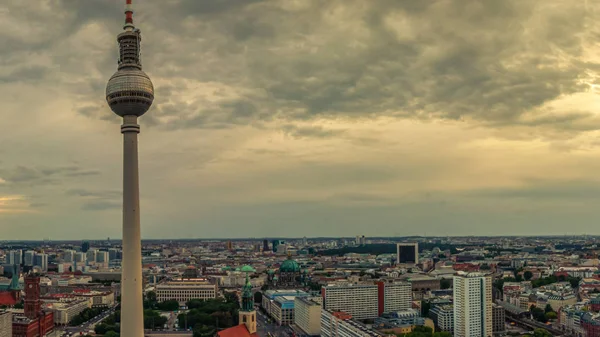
{"x": 487, "y": 61}
{"x": 43, "y": 175}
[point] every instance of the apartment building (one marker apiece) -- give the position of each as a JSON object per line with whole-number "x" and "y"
{"x": 472, "y": 305}
{"x": 307, "y": 315}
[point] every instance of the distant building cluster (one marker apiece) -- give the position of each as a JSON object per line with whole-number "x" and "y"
{"x": 329, "y": 287}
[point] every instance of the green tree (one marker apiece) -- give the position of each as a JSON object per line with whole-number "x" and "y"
{"x": 528, "y": 275}
{"x": 445, "y": 283}
{"x": 258, "y": 297}
{"x": 541, "y": 333}
{"x": 548, "y": 308}
{"x": 551, "y": 315}
{"x": 168, "y": 305}
{"x": 112, "y": 334}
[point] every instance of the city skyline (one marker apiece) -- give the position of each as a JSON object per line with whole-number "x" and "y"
{"x": 296, "y": 119}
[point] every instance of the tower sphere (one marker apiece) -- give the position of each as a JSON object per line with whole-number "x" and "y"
{"x": 129, "y": 92}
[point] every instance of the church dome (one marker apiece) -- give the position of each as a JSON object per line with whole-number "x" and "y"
{"x": 289, "y": 266}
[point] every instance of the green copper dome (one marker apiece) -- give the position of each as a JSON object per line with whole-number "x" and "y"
{"x": 289, "y": 266}
{"x": 247, "y": 269}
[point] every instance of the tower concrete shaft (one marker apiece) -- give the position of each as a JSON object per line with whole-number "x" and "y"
{"x": 132, "y": 310}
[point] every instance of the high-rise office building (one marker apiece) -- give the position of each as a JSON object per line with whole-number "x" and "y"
{"x": 41, "y": 260}
{"x": 85, "y": 246}
{"x": 28, "y": 258}
{"x": 68, "y": 256}
{"x": 102, "y": 257}
{"x": 91, "y": 255}
{"x": 265, "y": 245}
{"x": 472, "y": 305}
{"x": 15, "y": 257}
{"x": 407, "y": 253}
{"x": 113, "y": 254}
{"x": 80, "y": 258}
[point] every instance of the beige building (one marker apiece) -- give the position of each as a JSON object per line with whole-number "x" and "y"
{"x": 185, "y": 290}
{"x": 472, "y": 305}
{"x": 5, "y": 324}
{"x": 65, "y": 310}
{"x": 307, "y": 315}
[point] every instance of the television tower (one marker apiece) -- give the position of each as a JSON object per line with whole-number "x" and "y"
{"x": 129, "y": 94}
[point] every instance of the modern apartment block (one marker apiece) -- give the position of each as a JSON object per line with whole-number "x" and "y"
{"x": 358, "y": 300}
{"x": 185, "y": 290}
{"x": 340, "y": 324}
{"x": 397, "y": 296}
{"x": 368, "y": 301}
{"x": 307, "y": 315}
{"x": 472, "y": 305}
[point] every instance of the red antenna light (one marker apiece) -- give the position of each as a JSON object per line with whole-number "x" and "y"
{"x": 128, "y": 13}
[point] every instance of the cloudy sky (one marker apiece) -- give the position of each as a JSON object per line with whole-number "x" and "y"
{"x": 302, "y": 117}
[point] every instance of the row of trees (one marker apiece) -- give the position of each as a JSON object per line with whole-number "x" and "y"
{"x": 527, "y": 275}
{"x": 86, "y": 315}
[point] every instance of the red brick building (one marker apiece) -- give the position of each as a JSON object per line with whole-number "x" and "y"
{"x": 34, "y": 322}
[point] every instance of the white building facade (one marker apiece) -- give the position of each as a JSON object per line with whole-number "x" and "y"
{"x": 186, "y": 290}
{"x": 472, "y": 305}
{"x": 360, "y": 301}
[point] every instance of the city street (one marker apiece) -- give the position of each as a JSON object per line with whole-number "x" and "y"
{"x": 85, "y": 327}
{"x": 266, "y": 329}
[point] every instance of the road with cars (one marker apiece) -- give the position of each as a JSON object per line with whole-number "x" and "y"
{"x": 86, "y": 327}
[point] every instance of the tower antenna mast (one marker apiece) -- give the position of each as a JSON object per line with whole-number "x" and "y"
{"x": 129, "y": 94}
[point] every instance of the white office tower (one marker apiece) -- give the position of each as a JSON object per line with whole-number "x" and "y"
{"x": 29, "y": 258}
{"x": 472, "y": 305}
{"x": 68, "y": 256}
{"x": 91, "y": 255}
{"x": 41, "y": 260}
{"x": 15, "y": 257}
{"x": 80, "y": 258}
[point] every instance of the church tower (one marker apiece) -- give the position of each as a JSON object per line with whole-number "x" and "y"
{"x": 247, "y": 312}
